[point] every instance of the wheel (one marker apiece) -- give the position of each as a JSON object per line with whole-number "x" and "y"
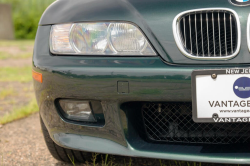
{"x": 63, "y": 154}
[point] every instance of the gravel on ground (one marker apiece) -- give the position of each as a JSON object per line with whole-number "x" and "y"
{"x": 15, "y": 63}
{"x": 22, "y": 143}
{"x": 21, "y": 94}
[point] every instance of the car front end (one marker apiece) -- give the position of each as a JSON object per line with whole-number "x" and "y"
{"x": 161, "y": 83}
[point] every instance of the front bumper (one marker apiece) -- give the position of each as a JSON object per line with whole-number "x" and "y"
{"x": 96, "y": 78}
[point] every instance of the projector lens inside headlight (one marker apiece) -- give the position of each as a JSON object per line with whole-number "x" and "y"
{"x": 89, "y": 38}
{"x": 99, "y": 39}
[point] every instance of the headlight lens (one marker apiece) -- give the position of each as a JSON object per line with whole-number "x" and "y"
{"x": 99, "y": 39}
{"x": 126, "y": 38}
{"x": 89, "y": 38}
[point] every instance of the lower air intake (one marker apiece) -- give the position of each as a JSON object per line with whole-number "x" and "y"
{"x": 172, "y": 122}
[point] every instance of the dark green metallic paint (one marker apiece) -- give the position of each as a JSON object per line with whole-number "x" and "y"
{"x": 95, "y": 78}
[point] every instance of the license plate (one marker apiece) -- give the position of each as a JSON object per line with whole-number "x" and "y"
{"x": 221, "y": 96}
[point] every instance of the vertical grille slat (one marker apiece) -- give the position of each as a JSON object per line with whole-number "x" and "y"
{"x": 196, "y": 35}
{"x": 225, "y": 30}
{"x": 219, "y": 32}
{"x": 208, "y": 52}
{"x": 202, "y": 36}
{"x": 209, "y": 34}
{"x": 213, "y": 32}
{"x": 190, "y": 33}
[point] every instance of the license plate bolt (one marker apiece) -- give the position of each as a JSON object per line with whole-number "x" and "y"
{"x": 215, "y": 115}
{"x": 214, "y": 76}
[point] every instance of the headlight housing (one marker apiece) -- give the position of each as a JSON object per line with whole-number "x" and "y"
{"x": 102, "y": 38}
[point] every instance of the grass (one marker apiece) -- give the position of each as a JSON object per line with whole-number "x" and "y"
{"x": 16, "y": 74}
{"x": 19, "y": 113}
{"x": 6, "y": 92}
{"x": 20, "y": 74}
{"x": 16, "y": 49}
{"x": 110, "y": 160}
{"x": 16, "y": 43}
{"x": 4, "y": 56}
{"x": 23, "y": 56}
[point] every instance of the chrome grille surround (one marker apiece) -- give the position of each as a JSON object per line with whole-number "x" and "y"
{"x": 248, "y": 32}
{"x": 214, "y": 50}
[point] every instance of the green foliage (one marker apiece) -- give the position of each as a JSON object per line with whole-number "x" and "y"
{"x": 26, "y": 15}
{"x": 6, "y": 92}
{"x": 20, "y": 74}
{"x": 94, "y": 158}
{"x": 72, "y": 159}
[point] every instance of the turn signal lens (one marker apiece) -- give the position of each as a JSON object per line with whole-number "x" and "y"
{"x": 60, "y": 42}
{"x": 102, "y": 38}
{"x": 37, "y": 76}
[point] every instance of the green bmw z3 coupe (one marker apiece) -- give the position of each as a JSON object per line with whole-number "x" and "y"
{"x": 166, "y": 79}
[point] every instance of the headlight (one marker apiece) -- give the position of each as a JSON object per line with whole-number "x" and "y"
{"x": 99, "y": 39}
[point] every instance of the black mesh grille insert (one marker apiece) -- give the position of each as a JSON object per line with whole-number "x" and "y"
{"x": 209, "y": 33}
{"x": 172, "y": 122}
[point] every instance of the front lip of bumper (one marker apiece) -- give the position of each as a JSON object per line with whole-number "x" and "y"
{"x": 100, "y": 145}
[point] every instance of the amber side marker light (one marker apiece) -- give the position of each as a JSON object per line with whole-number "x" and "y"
{"x": 37, "y": 76}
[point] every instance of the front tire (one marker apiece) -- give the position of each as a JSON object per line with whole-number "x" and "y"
{"x": 63, "y": 154}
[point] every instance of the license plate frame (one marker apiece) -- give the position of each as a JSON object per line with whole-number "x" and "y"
{"x": 217, "y": 73}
